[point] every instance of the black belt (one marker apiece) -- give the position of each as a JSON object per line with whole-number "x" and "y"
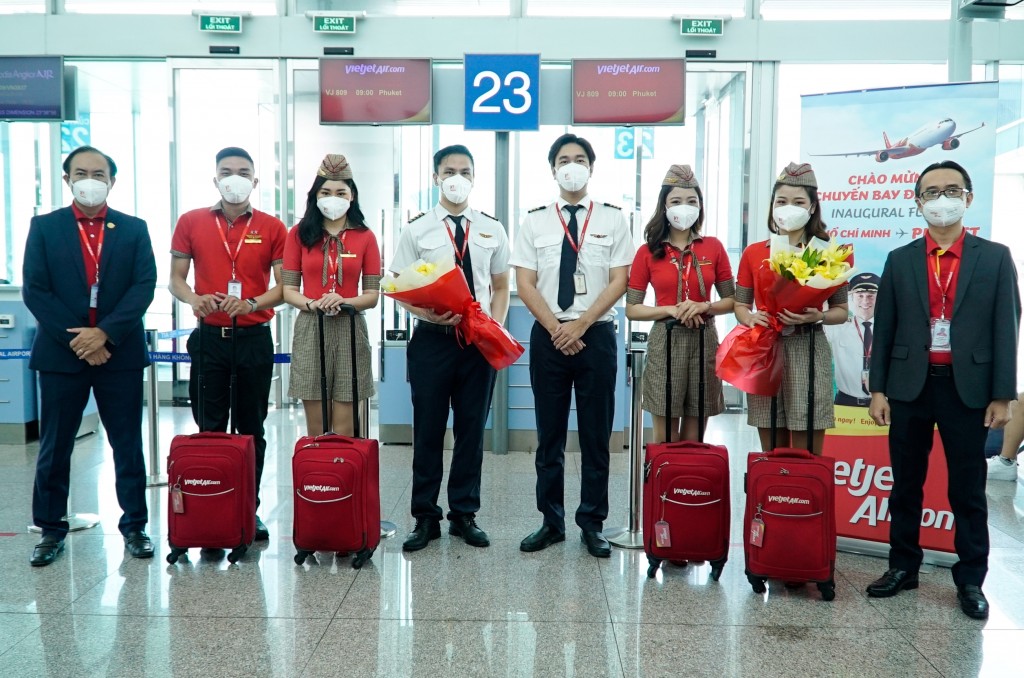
{"x": 801, "y": 329}
{"x": 225, "y": 332}
{"x": 847, "y": 399}
{"x": 940, "y": 370}
{"x": 597, "y": 324}
{"x": 434, "y": 327}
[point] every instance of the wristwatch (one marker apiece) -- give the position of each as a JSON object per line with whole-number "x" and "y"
{"x": 253, "y": 303}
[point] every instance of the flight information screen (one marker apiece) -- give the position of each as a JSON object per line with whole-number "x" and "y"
{"x": 628, "y": 92}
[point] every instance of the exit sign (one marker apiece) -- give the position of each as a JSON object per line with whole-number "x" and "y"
{"x": 219, "y": 23}
{"x": 334, "y": 24}
{"x": 701, "y": 26}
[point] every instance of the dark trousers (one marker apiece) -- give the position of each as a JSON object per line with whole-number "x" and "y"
{"x": 255, "y": 360}
{"x": 441, "y": 375}
{"x": 962, "y": 430}
{"x": 553, "y": 376}
{"x": 63, "y": 398}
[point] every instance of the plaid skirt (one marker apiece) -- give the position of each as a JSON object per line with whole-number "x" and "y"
{"x": 304, "y": 382}
{"x": 685, "y": 372}
{"x": 792, "y": 413}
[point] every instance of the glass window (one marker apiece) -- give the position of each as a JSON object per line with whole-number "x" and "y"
{"x": 638, "y": 9}
{"x": 408, "y": 7}
{"x": 22, "y": 6}
{"x": 892, "y": 10}
{"x": 257, "y": 7}
{"x": 26, "y": 170}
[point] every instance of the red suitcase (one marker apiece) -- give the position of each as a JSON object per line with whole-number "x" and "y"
{"x": 790, "y": 518}
{"x": 336, "y": 481}
{"x": 686, "y": 509}
{"x": 211, "y": 483}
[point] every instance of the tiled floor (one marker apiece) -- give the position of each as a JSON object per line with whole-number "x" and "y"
{"x": 453, "y": 610}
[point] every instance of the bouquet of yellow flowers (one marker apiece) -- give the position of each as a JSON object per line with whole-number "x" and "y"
{"x": 443, "y": 288}
{"x": 791, "y": 279}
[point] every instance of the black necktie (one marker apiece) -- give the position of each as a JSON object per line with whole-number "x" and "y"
{"x": 867, "y": 346}
{"x": 465, "y": 263}
{"x": 567, "y": 267}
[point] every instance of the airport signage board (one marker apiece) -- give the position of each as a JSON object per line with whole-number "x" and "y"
{"x": 628, "y": 92}
{"x": 334, "y": 24}
{"x": 375, "y": 91}
{"x": 502, "y": 92}
{"x": 31, "y": 88}
{"x": 715, "y": 27}
{"x": 220, "y": 23}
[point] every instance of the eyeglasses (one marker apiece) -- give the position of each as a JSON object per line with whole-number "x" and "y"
{"x": 955, "y": 192}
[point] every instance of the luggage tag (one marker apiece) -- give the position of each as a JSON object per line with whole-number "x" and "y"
{"x": 662, "y": 535}
{"x": 177, "y": 499}
{"x": 235, "y": 289}
{"x": 94, "y": 295}
{"x": 757, "y": 531}
{"x": 579, "y": 282}
{"x": 940, "y": 335}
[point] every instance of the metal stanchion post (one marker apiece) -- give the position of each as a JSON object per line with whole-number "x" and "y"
{"x": 632, "y": 536}
{"x": 387, "y": 528}
{"x": 155, "y": 478}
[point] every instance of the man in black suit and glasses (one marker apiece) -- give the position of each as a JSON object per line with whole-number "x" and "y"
{"x": 944, "y": 352}
{"x": 89, "y": 277}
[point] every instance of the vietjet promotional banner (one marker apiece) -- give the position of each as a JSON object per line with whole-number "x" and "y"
{"x": 867, "y": 149}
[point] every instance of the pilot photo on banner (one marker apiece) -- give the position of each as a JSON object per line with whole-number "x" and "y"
{"x": 888, "y": 137}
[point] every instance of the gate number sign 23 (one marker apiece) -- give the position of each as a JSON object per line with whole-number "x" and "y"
{"x": 501, "y": 91}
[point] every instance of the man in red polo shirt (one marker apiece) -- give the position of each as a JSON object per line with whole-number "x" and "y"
{"x": 234, "y": 248}
{"x": 944, "y": 353}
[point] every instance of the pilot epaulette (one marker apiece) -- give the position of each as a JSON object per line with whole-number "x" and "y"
{"x": 608, "y": 204}
{"x": 537, "y": 209}
{"x": 417, "y": 217}
{"x": 488, "y": 216}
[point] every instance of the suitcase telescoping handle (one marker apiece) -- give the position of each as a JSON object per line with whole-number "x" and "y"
{"x": 810, "y": 400}
{"x": 202, "y": 377}
{"x": 790, "y": 452}
{"x": 670, "y": 325}
{"x": 351, "y": 312}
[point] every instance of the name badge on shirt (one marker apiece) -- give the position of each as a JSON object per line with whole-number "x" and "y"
{"x": 253, "y": 238}
{"x": 94, "y": 295}
{"x": 579, "y": 282}
{"x": 940, "y": 335}
{"x": 235, "y": 289}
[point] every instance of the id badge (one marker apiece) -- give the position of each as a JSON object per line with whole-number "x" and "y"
{"x": 579, "y": 282}
{"x": 662, "y": 535}
{"x": 235, "y": 288}
{"x": 940, "y": 335}
{"x": 757, "y": 532}
{"x": 864, "y": 377}
{"x": 94, "y": 295}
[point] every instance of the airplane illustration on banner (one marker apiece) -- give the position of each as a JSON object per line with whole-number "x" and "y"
{"x": 932, "y": 134}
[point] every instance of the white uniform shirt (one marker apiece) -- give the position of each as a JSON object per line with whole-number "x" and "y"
{"x": 607, "y": 244}
{"x": 848, "y": 354}
{"x": 426, "y": 237}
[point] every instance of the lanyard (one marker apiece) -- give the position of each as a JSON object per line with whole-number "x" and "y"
{"x": 565, "y": 227}
{"x": 333, "y": 259}
{"x": 238, "y": 248}
{"x": 684, "y": 274}
{"x": 867, "y": 351}
{"x": 944, "y": 289}
{"x": 95, "y": 256}
{"x": 465, "y": 241}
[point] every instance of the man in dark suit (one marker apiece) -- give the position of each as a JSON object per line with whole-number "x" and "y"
{"x": 89, "y": 277}
{"x": 944, "y": 352}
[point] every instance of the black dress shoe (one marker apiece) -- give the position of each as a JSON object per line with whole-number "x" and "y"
{"x": 45, "y": 552}
{"x": 597, "y": 545}
{"x": 466, "y": 527}
{"x": 541, "y": 539}
{"x": 262, "y": 533}
{"x": 892, "y": 582}
{"x": 972, "y": 601}
{"x": 139, "y": 544}
{"x": 425, "y": 530}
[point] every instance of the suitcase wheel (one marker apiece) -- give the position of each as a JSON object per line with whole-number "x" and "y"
{"x": 361, "y": 558}
{"x": 716, "y": 568}
{"x": 652, "y": 566}
{"x": 173, "y": 556}
{"x": 828, "y": 590}
{"x": 300, "y": 556}
{"x": 757, "y": 583}
{"x": 236, "y": 553}
{"x": 679, "y": 563}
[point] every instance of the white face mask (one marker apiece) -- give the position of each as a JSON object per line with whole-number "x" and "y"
{"x": 944, "y": 212}
{"x": 333, "y": 207}
{"x": 790, "y": 218}
{"x": 90, "y": 192}
{"x": 682, "y": 217}
{"x": 456, "y": 189}
{"x": 235, "y": 189}
{"x": 572, "y": 177}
